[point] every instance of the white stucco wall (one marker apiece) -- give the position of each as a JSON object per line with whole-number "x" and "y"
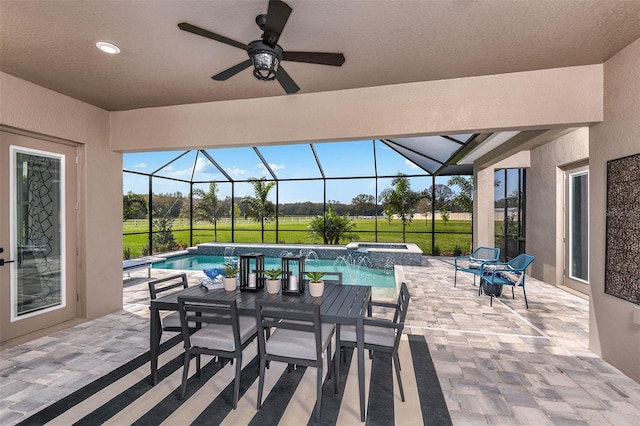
{"x": 613, "y": 333}
{"x": 561, "y": 97}
{"x": 37, "y": 110}
{"x": 544, "y": 201}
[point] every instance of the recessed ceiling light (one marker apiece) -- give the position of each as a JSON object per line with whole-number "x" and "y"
{"x": 108, "y": 47}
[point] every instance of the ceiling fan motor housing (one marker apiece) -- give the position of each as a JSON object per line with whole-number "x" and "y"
{"x": 265, "y": 59}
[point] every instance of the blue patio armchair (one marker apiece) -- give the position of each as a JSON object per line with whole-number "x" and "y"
{"x": 474, "y": 262}
{"x": 512, "y": 273}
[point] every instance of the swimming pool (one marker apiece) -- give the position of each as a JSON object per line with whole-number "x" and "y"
{"x": 351, "y": 274}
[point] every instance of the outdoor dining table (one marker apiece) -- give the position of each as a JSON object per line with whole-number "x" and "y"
{"x": 339, "y": 304}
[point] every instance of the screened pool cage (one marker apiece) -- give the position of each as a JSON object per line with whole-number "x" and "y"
{"x": 164, "y": 192}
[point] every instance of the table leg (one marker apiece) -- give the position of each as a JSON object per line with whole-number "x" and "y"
{"x": 360, "y": 344}
{"x": 154, "y": 343}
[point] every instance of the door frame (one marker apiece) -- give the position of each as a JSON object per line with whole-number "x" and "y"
{"x": 11, "y": 327}
{"x": 574, "y": 283}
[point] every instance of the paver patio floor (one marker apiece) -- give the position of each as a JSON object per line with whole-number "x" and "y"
{"x": 500, "y": 364}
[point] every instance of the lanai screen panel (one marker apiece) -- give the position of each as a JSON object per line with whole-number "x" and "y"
{"x": 390, "y": 163}
{"x": 176, "y": 165}
{"x": 240, "y": 163}
{"x": 291, "y": 161}
{"x": 346, "y": 159}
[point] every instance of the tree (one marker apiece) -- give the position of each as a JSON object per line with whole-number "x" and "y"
{"x": 209, "y": 207}
{"x": 235, "y": 210}
{"x": 464, "y": 199}
{"x": 331, "y": 227}
{"x": 363, "y": 205}
{"x": 388, "y": 212}
{"x": 168, "y": 205}
{"x": 134, "y": 206}
{"x": 444, "y": 214}
{"x": 259, "y": 208}
{"x": 401, "y": 200}
{"x": 443, "y": 195}
{"x": 163, "y": 239}
{"x": 424, "y": 207}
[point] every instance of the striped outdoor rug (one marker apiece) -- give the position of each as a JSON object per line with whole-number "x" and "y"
{"x": 125, "y": 396}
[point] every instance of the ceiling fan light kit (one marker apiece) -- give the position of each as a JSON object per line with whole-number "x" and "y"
{"x": 265, "y": 60}
{"x": 265, "y": 55}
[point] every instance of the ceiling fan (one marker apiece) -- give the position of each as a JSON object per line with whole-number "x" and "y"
{"x": 265, "y": 54}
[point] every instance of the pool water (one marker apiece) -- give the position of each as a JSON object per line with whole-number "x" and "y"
{"x": 351, "y": 274}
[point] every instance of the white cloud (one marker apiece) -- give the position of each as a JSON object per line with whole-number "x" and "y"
{"x": 411, "y": 164}
{"x": 273, "y": 166}
{"x": 236, "y": 171}
{"x": 139, "y": 166}
{"x": 202, "y": 164}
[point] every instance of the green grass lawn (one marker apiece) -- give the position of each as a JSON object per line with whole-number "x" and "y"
{"x": 447, "y": 237}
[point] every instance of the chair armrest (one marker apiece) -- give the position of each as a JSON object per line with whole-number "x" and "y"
{"x": 383, "y": 323}
{"x": 383, "y": 304}
{"x": 504, "y": 268}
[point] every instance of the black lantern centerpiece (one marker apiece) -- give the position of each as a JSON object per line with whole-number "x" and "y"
{"x": 293, "y": 274}
{"x": 252, "y": 272}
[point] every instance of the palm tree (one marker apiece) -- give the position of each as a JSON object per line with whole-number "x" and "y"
{"x": 332, "y": 227}
{"x": 464, "y": 199}
{"x": 259, "y": 208}
{"x": 209, "y": 207}
{"x": 401, "y": 200}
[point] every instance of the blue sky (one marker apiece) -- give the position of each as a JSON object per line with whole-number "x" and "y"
{"x": 338, "y": 159}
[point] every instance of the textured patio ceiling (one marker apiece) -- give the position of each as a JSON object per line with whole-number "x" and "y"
{"x": 52, "y": 44}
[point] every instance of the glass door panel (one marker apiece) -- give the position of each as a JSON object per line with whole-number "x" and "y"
{"x": 577, "y": 230}
{"x": 39, "y": 233}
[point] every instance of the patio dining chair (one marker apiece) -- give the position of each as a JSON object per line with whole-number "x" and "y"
{"x": 220, "y": 332}
{"x": 382, "y": 335}
{"x": 299, "y": 338}
{"x": 474, "y": 262}
{"x": 172, "y": 321}
{"x": 512, "y": 273}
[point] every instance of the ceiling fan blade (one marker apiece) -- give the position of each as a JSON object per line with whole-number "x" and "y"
{"x": 232, "y": 71}
{"x": 336, "y": 59}
{"x": 277, "y": 16}
{"x": 213, "y": 36}
{"x": 286, "y": 82}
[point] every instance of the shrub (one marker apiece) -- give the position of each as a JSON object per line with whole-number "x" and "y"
{"x": 332, "y": 227}
{"x": 163, "y": 239}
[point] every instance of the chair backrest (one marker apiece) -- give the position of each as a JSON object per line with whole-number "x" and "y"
{"x": 288, "y": 316}
{"x": 402, "y": 305}
{"x": 486, "y": 253}
{"x": 521, "y": 262}
{"x": 169, "y": 283}
{"x": 199, "y": 311}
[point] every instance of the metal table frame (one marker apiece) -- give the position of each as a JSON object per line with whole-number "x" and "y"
{"x": 340, "y": 304}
